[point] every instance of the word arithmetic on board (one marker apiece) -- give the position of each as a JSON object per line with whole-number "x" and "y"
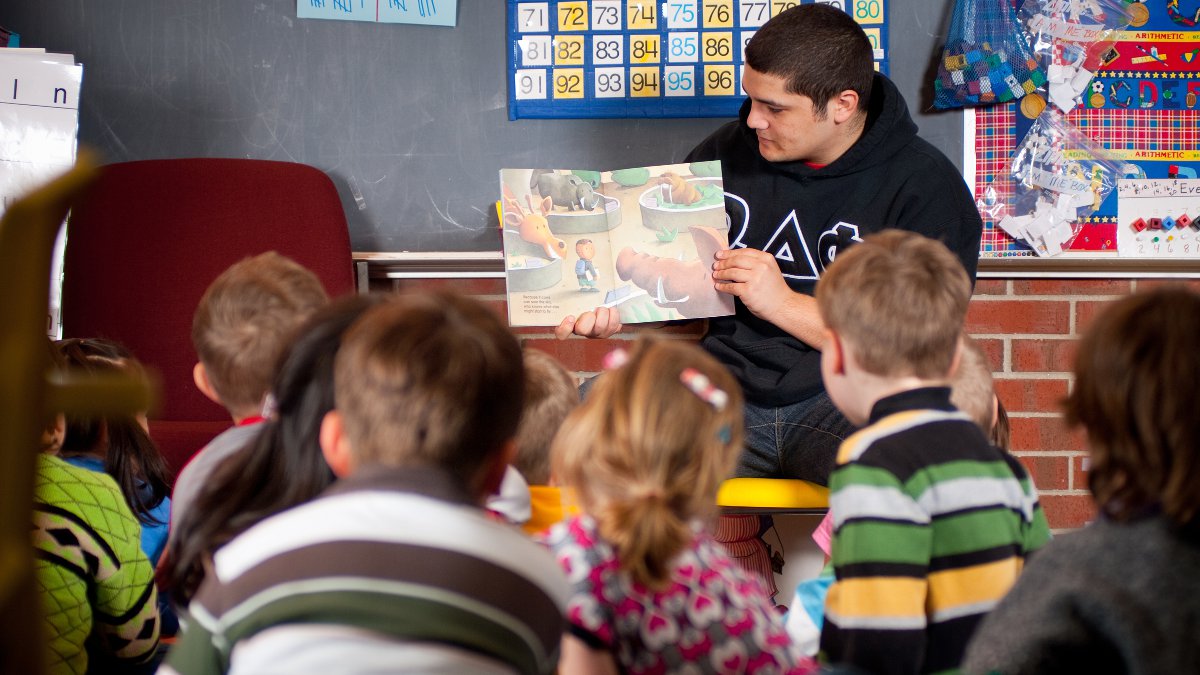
{"x": 645, "y": 58}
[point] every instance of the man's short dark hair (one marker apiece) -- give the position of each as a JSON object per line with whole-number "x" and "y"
{"x": 819, "y": 50}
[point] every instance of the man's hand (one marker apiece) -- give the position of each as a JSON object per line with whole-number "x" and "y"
{"x": 602, "y": 323}
{"x": 753, "y": 276}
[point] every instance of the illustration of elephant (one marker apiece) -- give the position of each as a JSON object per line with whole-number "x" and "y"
{"x": 565, "y": 190}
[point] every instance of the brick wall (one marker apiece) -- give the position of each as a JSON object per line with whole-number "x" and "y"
{"x": 1029, "y": 328}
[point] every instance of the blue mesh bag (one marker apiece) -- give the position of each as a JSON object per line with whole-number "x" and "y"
{"x": 987, "y": 58}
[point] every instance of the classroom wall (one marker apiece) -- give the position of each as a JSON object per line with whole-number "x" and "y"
{"x": 1029, "y": 328}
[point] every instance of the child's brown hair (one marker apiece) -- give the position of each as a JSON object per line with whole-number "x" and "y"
{"x": 900, "y": 299}
{"x": 647, "y": 451}
{"x": 1137, "y": 380}
{"x": 430, "y": 379}
{"x": 245, "y": 319}
{"x": 550, "y": 394}
{"x": 971, "y": 387}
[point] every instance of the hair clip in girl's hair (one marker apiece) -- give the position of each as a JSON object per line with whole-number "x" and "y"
{"x": 615, "y": 359}
{"x": 703, "y": 387}
{"x": 725, "y": 434}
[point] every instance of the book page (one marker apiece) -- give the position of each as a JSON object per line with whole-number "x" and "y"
{"x": 639, "y": 240}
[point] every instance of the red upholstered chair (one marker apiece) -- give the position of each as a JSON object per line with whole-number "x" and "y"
{"x": 149, "y": 236}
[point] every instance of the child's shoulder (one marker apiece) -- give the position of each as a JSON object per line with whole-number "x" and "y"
{"x": 63, "y": 484}
{"x": 909, "y": 440}
{"x": 66, "y": 493}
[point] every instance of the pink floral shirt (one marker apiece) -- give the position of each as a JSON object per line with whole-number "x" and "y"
{"x": 710, "y": 618}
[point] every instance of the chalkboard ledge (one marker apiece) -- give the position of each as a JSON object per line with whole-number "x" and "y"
{"x": 1088, "y": 266}
{"x": 490, "y": 265}
{"x": 429, "y": 265}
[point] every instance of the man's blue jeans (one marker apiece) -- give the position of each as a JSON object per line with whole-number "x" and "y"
{"x": 799, "y": 440}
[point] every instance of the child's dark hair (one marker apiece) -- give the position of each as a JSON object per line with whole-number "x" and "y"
{"x": 1137, "y": 379}
{"x": 284, "y": 466}
{"x": 131, "y": 457}
{"x": 819, "y": 51}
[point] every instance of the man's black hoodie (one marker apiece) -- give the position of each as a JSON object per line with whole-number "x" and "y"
{"x": 890, "y": 178}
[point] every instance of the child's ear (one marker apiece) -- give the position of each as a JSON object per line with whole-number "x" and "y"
{"x": 53, "y": 434}
{"x": 334, "y": 444}
{"x": 200, "y": 377}
{"x": 835, "y": 350}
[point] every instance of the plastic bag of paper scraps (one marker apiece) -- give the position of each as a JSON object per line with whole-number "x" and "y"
{"x": 1057, "y": 177}
{"x": 1072, "y": 40}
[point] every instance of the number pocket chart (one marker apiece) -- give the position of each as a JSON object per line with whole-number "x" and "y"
{"x": 645, "y": 58}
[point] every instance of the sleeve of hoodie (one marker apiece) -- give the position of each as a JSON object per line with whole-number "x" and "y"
{"x": 938, "y": 205}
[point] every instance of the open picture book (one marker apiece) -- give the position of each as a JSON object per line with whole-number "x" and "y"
{"x": 639, "y": 240}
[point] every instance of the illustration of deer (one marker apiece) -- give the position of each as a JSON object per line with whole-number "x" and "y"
{"x": 532, "y": 224}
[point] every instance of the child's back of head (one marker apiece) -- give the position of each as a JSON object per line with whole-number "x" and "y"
{"x": 119, "y": 441}
{"x": 243, "y": 322}
{"x": 1137, "y": 378}
{"x": 431, "y": 380}
{"x": 550, "y": 394}
{"x": 649, "y": 448}
{"x": 972, "y": 390}
{"x": 283, "y": 466}
{"x": 900, "y": 300}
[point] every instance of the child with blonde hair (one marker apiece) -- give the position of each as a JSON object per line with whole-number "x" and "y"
{"x": 652, "y": 591}
{"x": 972, "y": 390}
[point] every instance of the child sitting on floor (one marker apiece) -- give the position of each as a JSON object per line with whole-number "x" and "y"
{"x": 652, "y": 590}
{"x": 932, "y": 523}
{"x": 551, "y": 393}
{"x": 119, "y": 445}
{"x": 244, "y": 321}
{"x": 1122, "y": 595}
{"x": 280, "y": 468}
{"x": 395, "y": 566}
{"x": 99, "y": 604}
{"x": 971, "y": 391}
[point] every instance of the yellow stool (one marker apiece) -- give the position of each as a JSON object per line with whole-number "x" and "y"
{"x": 772, "y": 495}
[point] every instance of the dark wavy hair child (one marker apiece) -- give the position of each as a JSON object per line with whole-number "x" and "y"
{"x": 119, "y": 445}
{"x": 1122, "y": 595}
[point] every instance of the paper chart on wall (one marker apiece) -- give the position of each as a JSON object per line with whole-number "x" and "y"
{"x": 39, "y": 123}
{"x": 1143, "y": 105}
{"x": 423, "y": 12}
{"x": 1155, "y": 219}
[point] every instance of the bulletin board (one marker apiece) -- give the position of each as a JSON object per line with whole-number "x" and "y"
{"x": 1142, "y": 106}
{"x": 645, "y": 58}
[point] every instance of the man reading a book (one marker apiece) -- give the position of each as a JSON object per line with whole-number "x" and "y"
{"x": 823, "y": 153}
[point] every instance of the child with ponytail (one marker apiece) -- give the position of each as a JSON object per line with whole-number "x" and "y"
{"x": 651, "y": 590}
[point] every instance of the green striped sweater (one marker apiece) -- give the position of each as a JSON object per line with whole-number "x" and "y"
{"x": 932, "y": 525}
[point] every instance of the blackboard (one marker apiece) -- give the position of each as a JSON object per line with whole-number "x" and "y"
{"x": 410, "y": 122}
